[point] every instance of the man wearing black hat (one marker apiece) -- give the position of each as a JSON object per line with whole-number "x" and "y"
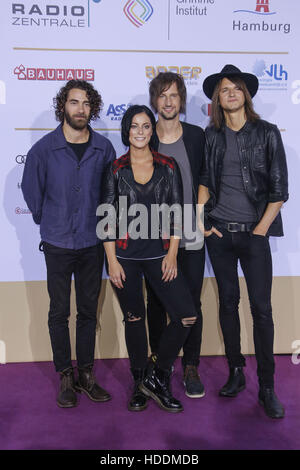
{"x": 248, "y": 185}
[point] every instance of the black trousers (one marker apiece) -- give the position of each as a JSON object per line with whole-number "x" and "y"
{"x": 175, "y": 297}
{"x": 191, "y": 263}
{"x": 86, "y": 264}
{"x": 254, "y": 254}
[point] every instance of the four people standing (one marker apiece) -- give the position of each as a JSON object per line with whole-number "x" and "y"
{"x": 241, "y": 179}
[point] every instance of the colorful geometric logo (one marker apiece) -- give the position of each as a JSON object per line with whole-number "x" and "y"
{"x": 138, "y": 11}
{"x": 262, "y": 8}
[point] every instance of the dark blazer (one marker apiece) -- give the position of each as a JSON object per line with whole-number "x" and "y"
{"x": 194, "y": 141}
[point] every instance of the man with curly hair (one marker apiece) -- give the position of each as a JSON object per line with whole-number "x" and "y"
{"x": 61, "y": 186}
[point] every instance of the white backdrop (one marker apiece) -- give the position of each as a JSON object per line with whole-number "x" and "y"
{"x": 119, "y": 46}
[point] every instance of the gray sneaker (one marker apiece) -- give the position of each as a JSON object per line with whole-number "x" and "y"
{"x": 194, "y": 388}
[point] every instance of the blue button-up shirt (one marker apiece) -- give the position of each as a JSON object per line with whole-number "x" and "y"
{"x": 63, "y": 193}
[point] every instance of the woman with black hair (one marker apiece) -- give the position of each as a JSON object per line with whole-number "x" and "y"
{"x": 152, "y": 181}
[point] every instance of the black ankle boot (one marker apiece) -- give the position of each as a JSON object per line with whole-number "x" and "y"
{"x": 67, "y": 396}
{"x": 139, "y": 401}
{"x": 235, "y": 383}
{"x": 271, "y": 404}
{"x": 87, "y": 383}
{"x": 157, "y": 386}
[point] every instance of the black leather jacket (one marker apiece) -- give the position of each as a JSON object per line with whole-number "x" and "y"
{"x": 263, "y": 167}
{"x": 118, "y": 180}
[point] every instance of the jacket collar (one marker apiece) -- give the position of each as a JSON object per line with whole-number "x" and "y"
{"x": 59, "y": 140}
{"x": 124, "y": 160}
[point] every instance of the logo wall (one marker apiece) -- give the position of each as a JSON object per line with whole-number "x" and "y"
{"x": 260, "y": 8}
{"x": 138, "y": 12}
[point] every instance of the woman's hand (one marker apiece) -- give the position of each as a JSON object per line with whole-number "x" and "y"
{"x": 169, "y": 267}
{"x": 116, "y": 273}
{"x": 208, "y": 233}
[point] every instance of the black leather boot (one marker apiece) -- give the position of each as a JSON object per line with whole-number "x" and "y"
{"x": 139, "y": 400}
{"x": 270, "y": 402}
{"x": 67, "y": 396}
{"x": 87, "y": 383}
{"x": 235, "y": 383}
{"x": 157, "y": 386}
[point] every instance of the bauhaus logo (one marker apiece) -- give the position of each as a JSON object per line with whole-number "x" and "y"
{"x": 40, "y": 73}
{"x": 138, "y": 12}
{"x": 2, "y": 92}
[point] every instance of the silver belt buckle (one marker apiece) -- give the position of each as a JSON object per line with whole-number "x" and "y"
{"x": 229, "y": 227}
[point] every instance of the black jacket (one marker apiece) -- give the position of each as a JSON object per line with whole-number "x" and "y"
{"x": 194, "y": 141}
{"x": 118, "y": 180}
{"x": 263, "y": 167}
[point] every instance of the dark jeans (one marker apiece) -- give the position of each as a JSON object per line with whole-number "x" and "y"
{"x": 176, "y": 299}
{"x": 86, "y": 264}
{"x": 253, "y": 252}
{"x": 191, "y": 264}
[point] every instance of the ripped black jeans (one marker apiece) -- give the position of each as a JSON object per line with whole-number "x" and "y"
{"x": 176, "y": 299}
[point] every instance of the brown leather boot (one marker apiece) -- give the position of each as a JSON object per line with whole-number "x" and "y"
{"x": 87, "y": 383}
{"x": 67, "y": 397}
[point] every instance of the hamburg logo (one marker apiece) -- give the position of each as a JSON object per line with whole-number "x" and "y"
{"x": 262, "y": 8}
{"x": 138, "y": 11}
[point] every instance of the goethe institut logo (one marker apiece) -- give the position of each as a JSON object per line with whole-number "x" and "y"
{"x": 138, "y": 12}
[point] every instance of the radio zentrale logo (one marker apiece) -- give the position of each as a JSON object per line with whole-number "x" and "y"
{"x": 60, "y": 14}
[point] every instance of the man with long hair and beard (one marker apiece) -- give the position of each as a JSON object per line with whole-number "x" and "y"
{"x": 247, "y": 184}
{"x": 61, "y": 186}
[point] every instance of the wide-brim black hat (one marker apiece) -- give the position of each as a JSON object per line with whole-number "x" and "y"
{"x": 228, "y": 71}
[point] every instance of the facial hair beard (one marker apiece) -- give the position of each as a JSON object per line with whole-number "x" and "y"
{"x": 167, "y": 117}
{"x": 77, "y": 125}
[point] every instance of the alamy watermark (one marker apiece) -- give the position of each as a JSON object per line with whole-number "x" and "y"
{"x": 2, "y": 352}
{"x": 296, "y": 353}
{"x": 118, "y": 220}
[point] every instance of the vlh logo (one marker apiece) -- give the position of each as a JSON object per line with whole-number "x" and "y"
{"x": 138, "y": 11}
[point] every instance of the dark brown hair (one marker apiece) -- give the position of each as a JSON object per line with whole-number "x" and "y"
{"x": 162, "y": 82}
{"x": 217, "y": 114}
{"x": 94, "y": 98}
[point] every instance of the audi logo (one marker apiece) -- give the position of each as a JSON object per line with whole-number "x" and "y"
{"x": 21, "y": 159}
